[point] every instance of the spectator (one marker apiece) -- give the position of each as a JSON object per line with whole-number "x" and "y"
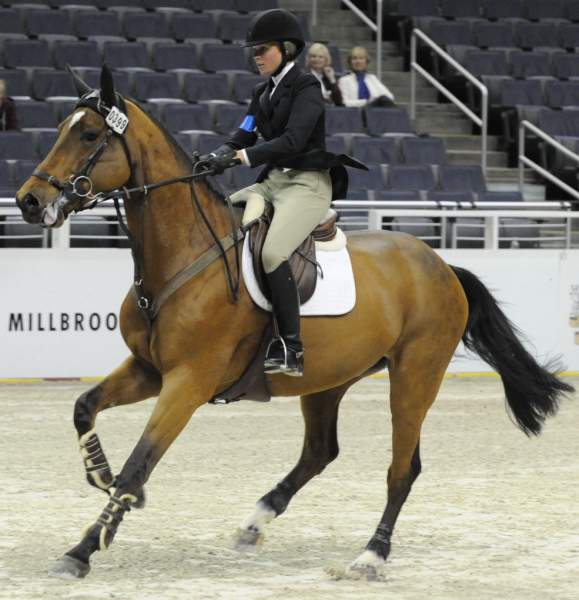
{"x": 319, "y": 64}
{"x": 360, "y": 88}
{"x": 8, "y": 118}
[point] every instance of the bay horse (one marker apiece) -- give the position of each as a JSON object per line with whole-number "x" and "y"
{"x": 411, "y": 311}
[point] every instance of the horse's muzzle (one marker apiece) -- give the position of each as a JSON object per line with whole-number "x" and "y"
{"x": 52, "y": 215}
{"x": 32, "y": 211}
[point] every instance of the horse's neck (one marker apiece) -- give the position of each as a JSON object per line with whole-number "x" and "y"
{"x": 167, "y": 222}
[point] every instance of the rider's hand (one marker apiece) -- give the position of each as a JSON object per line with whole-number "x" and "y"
{"x": 219, "y": 160}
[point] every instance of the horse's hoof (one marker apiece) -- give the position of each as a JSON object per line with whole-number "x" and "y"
{"x": 68, "y": 567}
{"x": 368, "y": 566}
{"x": 247, "y": 539}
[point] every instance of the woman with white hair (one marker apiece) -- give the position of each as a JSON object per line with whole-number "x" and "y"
{"x": 319, "y": 64}
{"x": 360, "y": 88}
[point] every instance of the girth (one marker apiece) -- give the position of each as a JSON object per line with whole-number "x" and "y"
{"x": 302, "y": 261}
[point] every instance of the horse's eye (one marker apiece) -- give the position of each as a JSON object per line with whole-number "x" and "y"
{"x": 89, "y": 136}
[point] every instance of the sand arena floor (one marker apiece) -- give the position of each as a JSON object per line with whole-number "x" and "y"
{"x": 494, "y": 515}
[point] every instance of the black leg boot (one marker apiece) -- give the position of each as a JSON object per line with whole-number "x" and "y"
{"x": 285, "y": 353}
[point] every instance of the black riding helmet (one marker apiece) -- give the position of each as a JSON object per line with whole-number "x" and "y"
{"x": 275, "y": 25}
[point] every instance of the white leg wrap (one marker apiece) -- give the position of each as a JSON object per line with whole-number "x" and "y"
{"x": 260, "y": 517}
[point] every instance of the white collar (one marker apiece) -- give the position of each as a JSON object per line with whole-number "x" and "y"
{"x": 277, "y": 78}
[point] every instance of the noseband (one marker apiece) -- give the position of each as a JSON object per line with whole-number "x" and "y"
{"x": 78, "y": 189}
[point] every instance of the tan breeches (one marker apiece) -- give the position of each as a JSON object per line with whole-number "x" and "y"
{"x": 300, "y": 200}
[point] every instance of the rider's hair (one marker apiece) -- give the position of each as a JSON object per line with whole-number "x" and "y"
{"x": 291, "y": 50}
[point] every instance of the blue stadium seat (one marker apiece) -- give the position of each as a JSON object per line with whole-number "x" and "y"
{"x": 44, "y": 142}
{"x": 48, "y": 22}
{"x": 7, "y": 186}
{"x": 336, "y": 144}
{"x": 450, "y": 196}
{"x": 255, "y": 5}
{"x": 146, "y": 25}
{"x": 462, "y": 178}
{"x": 418, "y": 8}
{"x": 388, "y": 121}
{"x": 503, "y": 9}
{"x": 572, "y": 10}
{"x": 376, "y": 150}
{"x": 48, "y": 83}
{"x": 560, "y": 123}
{"x": 487, "y": 62}
{"x": 10, "y": 21}
{"x": 185, "y": 142}
{"x": 341, "y": 119}
{"x": 532, "y": 35}
{"x": 16, "y": 82}
{"x": 424, "y": 150}
{"x": 201, "y": 5}
{"x": 566, "y": 66}
{"x": 530, "y": 64}
{"x": 500, "y": 197}
{"x": 88, "y": 24}
{"x": 397, "y": 195}
{"x": 35, "y": 115}
{"x": 490, "y": 33}
{"x": 156, "y": 86}
{"x": 187, "y": 117}
{"x": 184, "y": 5}
{"x": 562, "y": 93}
{"x": 233, "y": 26}
{"x": 192, "y": 26}
{"x": 17, "y": 145}
{"x": 216, "y": 58}
{"x": 456, "y": 33}
{"x": 366, "y": 180}
{"x": 539, "y": 10}
{"x": 126, "y": 55}
{"x": 172, "y": 57}
{"x": 76, "y": 54}
{"x": 243, "y": 85}
{"x": 411, "y": 177}
{"x": 22, "y": 170}
{"x": 207, "y": 142}
{"x": 228, "y": 117}
{"x": 521, "y": 92}
{"x": 26, "y": 53}
{"x": 121, "y": 79}
{"x": 199, "y": 87}
{"x": 569, "y": 35}
{"x": 458, "y": 9}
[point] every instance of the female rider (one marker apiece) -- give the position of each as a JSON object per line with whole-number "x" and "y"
{"x": 300, "y": 178}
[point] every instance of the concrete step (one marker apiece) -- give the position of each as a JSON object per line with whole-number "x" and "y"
{"x": 339, "y": 17}
{"x": 469, "y": 157}
{"x": 401, "y": 78}
{"x": 402, "y": 94}
{"x": 532, "y": 192}
{"x": 354, "y": 35}
{"x": 502, "y": 175}
{"x": 469, "y": 142}
{"x": 435, "y": 124}
{"x": 306, "y": 5}
{"x": 429, "y": 108}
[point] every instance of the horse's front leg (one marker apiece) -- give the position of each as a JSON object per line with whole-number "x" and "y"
{"x": 131, "y": 382}
{"x": 184, "y": 390}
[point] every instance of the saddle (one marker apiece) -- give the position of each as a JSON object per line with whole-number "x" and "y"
{"x": 302, "y": 262}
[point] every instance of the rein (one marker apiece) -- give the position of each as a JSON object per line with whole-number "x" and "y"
{"x": 78, "y": 196}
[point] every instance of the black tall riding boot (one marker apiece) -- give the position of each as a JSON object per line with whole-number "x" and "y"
{"x": 285, "y": 353}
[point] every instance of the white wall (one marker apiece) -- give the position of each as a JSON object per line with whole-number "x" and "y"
{"x": 87, "y": 286}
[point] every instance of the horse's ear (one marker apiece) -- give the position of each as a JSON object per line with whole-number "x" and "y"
{"x": 81, "y": 87}
{"x": 107, "y": 86}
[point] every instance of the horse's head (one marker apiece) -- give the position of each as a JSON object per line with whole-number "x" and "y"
{"x": 91, "y": 156}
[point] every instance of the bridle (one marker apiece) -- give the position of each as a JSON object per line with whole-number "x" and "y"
{"x": 77, "y": 195}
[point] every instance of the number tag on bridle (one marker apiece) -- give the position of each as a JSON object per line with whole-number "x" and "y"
{"x": 117, "y": 120}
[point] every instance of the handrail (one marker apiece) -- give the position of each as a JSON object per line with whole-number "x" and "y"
{"x": 481, "y": 121}
{"x": 375, "y": 27}
{"x": 524, "y": 160}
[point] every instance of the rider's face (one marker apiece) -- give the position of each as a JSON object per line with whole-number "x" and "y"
{"x": 267, "y": 58}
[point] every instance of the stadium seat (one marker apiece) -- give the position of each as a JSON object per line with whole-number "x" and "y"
{"x": 206, "y": 87}
{"x": 366, "y": 180}
{"x": 184, "y": 5}
{"x": 388, "y": 121}
{"x": 10, "y": 21}
{"x": 156, "y": 86}
{"x": 48, "y": 83}
{"x": 146, "y": 25}
{"x": 64, "y": 3}
{"x": 17, "y": 145}
{"x": 336, "y": 144}
{"x": 456, "y": 33}
{"x": 191, "y": 26}
{"x": 216, "y": 58}
{"x": 36, "y": 115}
{"x": 16, "y": 83}
{"x": 572, "y": 10}
{"x": 26, "y": 53}
{"x": 418, "y": 8}
{"x": 121, "y": 79}
{"x": 185, "y": 142}
{"x": 22, "y": 170}
{"x": 538, "y": 10}
{"x": 559, "y": 123}
{"x": 341, "y": 119}
{"x": 458, "y": 9}
{"x": 206, "y": 142}
{"x": 233, "y": 26}
{"x": 76, "y": 54}
{"x": 126, "y": 55}
{"x": 48, "y": 22}
{"x": 6, "y": 177}
{"x": 228, "y": 117}
{"x": 423, "y": 150}
{"x": 500, "y": 197}
{"x": 562, "y": 93}
{"x": 462, "y": 178}
{"x": 529, "y": 64}
{"x": 566, "y": 66}
{"x": 411, "y": 177}
{"x": 531, "y": 35}
{"x": 174, "y": 57}
{"x": 187, "y": 117}
{"x": 398, "y": 195}
{"x": 255, "y": 5}
{"x": 44, "y": 142}
{"x": 376, "y": 150}
{"x": 88, "y": 24}
{"x": 503, "y": 9}
{"x": 486, "y": 62}
{"x": 569, "y": 35}
{"x": 491, "y": 34}
{"x": 450, "y": 196}
{"x": 523, "y": 92}
{"x": 243, "y": 86}
{"x": 202, "y": 5}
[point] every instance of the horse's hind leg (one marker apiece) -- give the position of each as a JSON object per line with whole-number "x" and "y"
{"x": 320, "y": 412}
{"x": 131, "y": 382}
{"x": 416, "y": 373}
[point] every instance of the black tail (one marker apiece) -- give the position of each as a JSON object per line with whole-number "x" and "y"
{"x": 533, "y": 392}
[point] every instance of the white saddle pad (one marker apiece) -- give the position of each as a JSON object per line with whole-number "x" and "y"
{"x": 335, "y": 292}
